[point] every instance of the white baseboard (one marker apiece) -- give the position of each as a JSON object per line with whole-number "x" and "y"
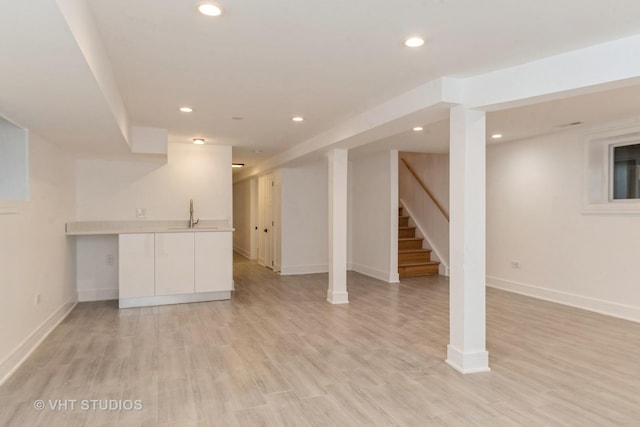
{"x": 468, "y": 362}
{"x": 9, "y": 365}
{"x": 608, "y": 308}
{"x": 337, "y": 297}
{"x": 103, "y": 294}
{"x": 245, "y": 253}
{"x": 290, "y": 270}
{"x": 174, "y": 299}
{"x": 385, "y": 276}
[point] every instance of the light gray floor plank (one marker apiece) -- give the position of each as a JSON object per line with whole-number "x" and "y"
{"x": 278, "y": 354}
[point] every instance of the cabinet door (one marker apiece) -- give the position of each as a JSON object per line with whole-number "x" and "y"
{"x": 136, "y": 263}
{"x": 214, "y": 262}
{"x": 174, "y": 263}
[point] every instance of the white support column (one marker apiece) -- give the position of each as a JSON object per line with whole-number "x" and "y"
{"x": 338, "y": 168}
{"x": 466, "y": 351}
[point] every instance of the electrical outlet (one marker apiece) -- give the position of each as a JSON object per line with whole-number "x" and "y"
{"x": 515, "y": 264}
{"x": 37, "y": 299}
{"x": 140, "y": 213}
{"x": 109, "y": 259}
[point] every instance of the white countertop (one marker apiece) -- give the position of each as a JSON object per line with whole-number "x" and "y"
{"x": 87, "y": 228}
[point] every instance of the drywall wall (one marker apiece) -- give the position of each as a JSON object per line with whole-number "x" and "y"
{"x": 304, "y": 211}
{"x": 36, "y": 257}
{"x": 374, "y": 202}
{"x": 113, "y": 189}
{"x": 97, "y": 267}
{"x": 244, "y": 217}
{"x": 433, "y": 170}
{"x": 540, "y": 243}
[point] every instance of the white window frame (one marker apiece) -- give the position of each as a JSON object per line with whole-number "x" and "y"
{"x": 598, "y": 162}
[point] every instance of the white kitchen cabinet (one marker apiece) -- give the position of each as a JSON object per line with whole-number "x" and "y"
{"x": 175, "y": 267}
{"x": 213, "y": 262}
{"x": 174, "y": 264}
{"x": 136, "y": 260}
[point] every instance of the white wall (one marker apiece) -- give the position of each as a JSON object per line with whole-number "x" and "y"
{"x": 244, "y": 206}
{"x": 534, "y": 191}
{"x": 35, "y": 255}
{"x": 304, "y": 218}
{"x": 113, "y": 189}
{"x": 375, "y": 215}
{"x": 433, "y": 170}
{"x": 97, "y": 267}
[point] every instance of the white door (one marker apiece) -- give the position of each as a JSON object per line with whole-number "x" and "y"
{"x": 261, "y": 221}
{"x": 268, "y": 221}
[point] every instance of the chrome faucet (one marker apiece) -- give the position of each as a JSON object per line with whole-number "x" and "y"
{"x": 192, "y": 221}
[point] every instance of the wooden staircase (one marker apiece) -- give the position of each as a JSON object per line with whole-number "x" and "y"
{"x": 413, "y": 259}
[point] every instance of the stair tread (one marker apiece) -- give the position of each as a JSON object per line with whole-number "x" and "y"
{"x": 408, "y": 251}
{"x": 406, "y": 239}
{"x": 405, "y": 228}
{"x": 413, "y": 264}
{"x": 404, "y": 217}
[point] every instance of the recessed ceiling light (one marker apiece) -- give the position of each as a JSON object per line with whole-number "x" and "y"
{"x": 298, "y": 119}
{"x": 417, "y": 128}
{"x": 186, "y": 109}
{"x": 237, "y": 165}
{"x": 414, "y": 42}
{"x": 210, "y": 9}
{"x": 496, "y": 136}
{"x": 198, "y": 141}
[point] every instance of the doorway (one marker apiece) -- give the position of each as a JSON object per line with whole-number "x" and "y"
{"x": 268, "y": 220}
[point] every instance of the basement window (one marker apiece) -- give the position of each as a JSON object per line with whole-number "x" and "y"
{"x": 14, "y": 163}
{"x": 611, "y": 179}
{"x": 626, "y": 172}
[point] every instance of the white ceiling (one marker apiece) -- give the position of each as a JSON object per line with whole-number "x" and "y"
{"x": 267, "y": 61}
{"x": 583, "y": 111}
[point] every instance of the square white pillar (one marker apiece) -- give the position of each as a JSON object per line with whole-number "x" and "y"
{"x": 466, "y": 351}
{"x": 338, "y": 172}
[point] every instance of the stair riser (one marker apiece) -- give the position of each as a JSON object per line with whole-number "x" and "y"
{"x": 418, "y": 270}
{"x": 407, "y": 233}
{"x": 414, "y": 257}
{"x": 403, "y": 222}
{"x": 409, "y": 244}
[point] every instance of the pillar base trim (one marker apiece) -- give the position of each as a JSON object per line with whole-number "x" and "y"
{"x": 338, "y": 297}
{"x": 468, "y": 363}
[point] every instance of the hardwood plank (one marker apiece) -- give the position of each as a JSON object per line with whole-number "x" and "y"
{"x": 278, "y": 354}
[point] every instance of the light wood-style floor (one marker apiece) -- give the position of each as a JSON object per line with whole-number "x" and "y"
{"x": 277, "y": 354}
